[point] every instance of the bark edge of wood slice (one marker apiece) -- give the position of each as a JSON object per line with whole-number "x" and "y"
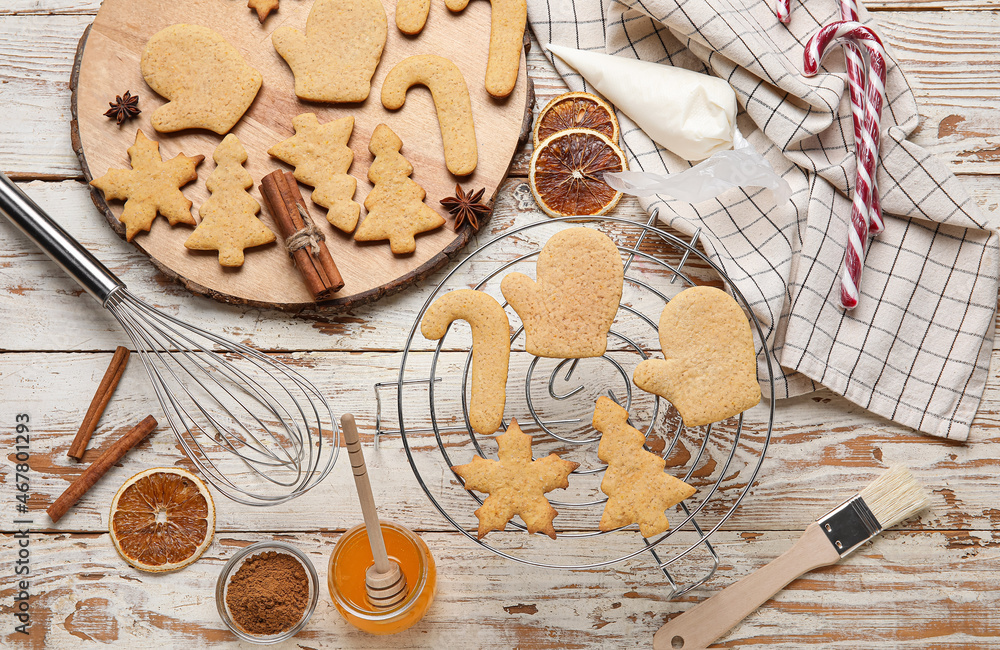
{"x": 115, "y": 40}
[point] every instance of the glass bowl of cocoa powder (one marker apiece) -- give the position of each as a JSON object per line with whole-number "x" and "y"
{"x": 267, "y": 592}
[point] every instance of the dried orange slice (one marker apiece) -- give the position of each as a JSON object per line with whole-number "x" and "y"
{"x": 576, "y": 111}
{"x": 567, "y": 169}
{"x": 162, "y": 519}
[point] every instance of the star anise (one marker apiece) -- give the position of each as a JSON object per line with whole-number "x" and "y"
{"x": 124, "y": 107}
{"x": 466, "y": 207}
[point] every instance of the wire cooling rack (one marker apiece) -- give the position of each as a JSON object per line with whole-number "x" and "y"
{"x": 553, "y": 400}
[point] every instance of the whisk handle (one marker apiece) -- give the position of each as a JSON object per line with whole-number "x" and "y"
{"x": 55, "y": 242}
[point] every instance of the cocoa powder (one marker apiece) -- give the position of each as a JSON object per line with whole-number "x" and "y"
{"x": 268, "y": 594}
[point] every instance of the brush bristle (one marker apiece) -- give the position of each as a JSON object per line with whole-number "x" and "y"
{"x": 894, "y": 496}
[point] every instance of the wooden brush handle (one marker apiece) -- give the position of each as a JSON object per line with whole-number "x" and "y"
{"x": 706, "y": 622}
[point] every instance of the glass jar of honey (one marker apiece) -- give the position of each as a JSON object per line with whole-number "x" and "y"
{"x": 350, "y": 559}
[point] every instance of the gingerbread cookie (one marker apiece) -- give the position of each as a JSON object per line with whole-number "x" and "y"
{"x": 490, "y": 350}
{"x": 151, "y": 187}
{"x": 263, "y": 8}
{"x": 335, "y": 59}
{"x": 516, "y": 484}
{"x": 411, "y": 15}
{"x": 567, "y": 313}
{"x": 228, "y": 218}
{"x": 396, "y": 209}
{"x": 321, "y": 158}
{"x": 710, "y": 368}
{"x": 638, "y": 489}
{"x": 451, "y": 99}
{"x": 209, "y": 84}
{"x": 507, "y": 23}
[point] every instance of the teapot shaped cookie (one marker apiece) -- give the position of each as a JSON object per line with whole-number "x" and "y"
{"x": 568, "y": 311}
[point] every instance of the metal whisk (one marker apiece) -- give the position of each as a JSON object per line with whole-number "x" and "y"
{"x": 258, "y": 431}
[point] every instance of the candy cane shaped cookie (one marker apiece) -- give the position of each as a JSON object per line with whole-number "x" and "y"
{"x": 506, "y": 42}
{"x": 451, "y": 99}
{"x": 490, "y": 350}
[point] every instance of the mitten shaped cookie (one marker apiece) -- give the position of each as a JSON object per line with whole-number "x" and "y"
{"x": 710, "y": 369}
{"x": 208, "y": 82}
{"x": 335, "y": 59}
{"x": 568, "y": 311}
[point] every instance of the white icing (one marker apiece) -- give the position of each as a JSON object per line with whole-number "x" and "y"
{"x": 691, "y": 114}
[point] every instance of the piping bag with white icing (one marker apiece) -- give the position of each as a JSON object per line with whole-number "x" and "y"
{"x": 692, "y": 115}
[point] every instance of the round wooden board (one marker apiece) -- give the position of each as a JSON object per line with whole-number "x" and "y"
{"x": 108, "y": 64}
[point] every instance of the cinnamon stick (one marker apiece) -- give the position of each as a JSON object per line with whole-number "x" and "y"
{"x": 281, "y": 194}
{"x": 326, "y": 260}
{"x": 100, "y": 402}
{"x": 98, "y": 468}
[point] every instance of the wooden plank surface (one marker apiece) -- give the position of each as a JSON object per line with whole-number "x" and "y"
{"x": 949, "y": 58}
{"x": 88, "y": 596}
{"x": 930, "y": 585}
{"x": 25, "y": 271}
{"x": 822, "y": 448}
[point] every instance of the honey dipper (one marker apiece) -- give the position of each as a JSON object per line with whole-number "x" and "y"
{"x": 891, "y": 498}
{"x": 385, "y": 583}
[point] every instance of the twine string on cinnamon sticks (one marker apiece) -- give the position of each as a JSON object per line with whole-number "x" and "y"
{"x": 99, "y": 467}
{"x": 281, "y": 194}
{"x": 309, "y": 236}
{"x": 100, "y": 402}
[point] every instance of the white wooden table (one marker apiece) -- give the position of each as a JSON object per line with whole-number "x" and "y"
{"x": 931, "y": 584}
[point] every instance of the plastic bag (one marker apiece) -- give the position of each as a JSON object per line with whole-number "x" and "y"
{"x": 741, "y": 166}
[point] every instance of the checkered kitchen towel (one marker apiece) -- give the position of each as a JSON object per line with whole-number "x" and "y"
{"x": 917, "y": 349}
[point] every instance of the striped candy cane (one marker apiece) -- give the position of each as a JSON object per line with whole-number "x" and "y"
{"x": 816, "y": 48}
{"x": 783, "y": 10}
{"x": 856, "y": 83}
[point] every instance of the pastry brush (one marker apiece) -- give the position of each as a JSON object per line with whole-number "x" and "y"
{"x": 891, "y": 498}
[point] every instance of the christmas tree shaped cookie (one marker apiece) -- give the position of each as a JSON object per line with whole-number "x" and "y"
{"x": 396, "y": 209}
{"x": 151, "y": 187}
{"x": 637, "y": 487}
{"x": 228, "y": 218}
{"x": 321, "y": 158}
